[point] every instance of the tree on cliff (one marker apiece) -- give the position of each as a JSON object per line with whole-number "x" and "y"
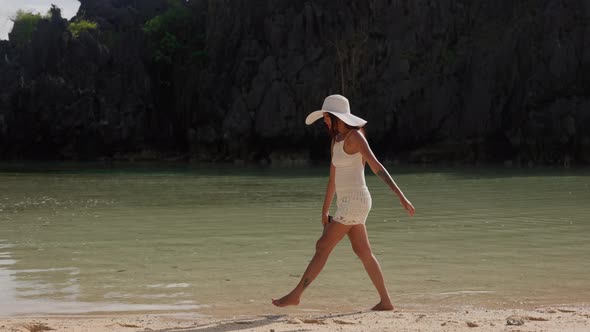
{"x": 25, "y": 24}
{"x": 175, "y": 56}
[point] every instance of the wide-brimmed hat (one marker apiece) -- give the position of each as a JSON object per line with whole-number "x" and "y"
{"x": 339, "y": 106}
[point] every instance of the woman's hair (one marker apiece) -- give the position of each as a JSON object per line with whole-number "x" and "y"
{"x": 334, "y": 131}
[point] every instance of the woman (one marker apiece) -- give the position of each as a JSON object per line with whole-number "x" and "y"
{"x": 350, "y": 152}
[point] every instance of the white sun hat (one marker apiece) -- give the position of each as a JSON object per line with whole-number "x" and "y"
{"x": 339, "y": 106}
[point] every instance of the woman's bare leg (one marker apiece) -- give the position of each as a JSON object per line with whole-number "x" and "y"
{"x": 362, "y": 248}
{"x": 333, "y": 233}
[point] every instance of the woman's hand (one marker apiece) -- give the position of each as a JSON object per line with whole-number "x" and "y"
{"x": 407, "y": 205}
{"x": 325, "y": 219}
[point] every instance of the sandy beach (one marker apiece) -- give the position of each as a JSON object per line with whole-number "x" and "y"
{"x": 548, "y": 318}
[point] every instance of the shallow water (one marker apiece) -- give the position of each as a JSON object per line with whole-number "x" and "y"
{"x": 87, "y": 237}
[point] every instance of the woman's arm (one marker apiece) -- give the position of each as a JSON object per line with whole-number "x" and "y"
{"x": 358, "y": 143}
{"x": 330, "y": 190}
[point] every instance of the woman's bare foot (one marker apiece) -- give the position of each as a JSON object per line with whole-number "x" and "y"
{"x": 286, "y": 300}
{"x": 383, "y": 306}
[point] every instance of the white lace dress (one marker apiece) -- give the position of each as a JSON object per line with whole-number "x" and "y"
{"x": 353, "y": 200}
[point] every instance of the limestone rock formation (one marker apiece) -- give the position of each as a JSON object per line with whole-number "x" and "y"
{"x": 448, "y": 80}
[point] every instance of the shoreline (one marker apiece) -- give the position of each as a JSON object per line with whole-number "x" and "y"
{"x": 558, "y": 317}
{"x": 292, "y": 159}
{"x": 28, "y": 165}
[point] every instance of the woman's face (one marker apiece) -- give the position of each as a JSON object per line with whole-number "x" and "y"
{"x": 328, "y": 120}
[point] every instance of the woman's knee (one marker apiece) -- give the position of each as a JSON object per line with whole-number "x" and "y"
{"x": 363, "y": 252}
{"x": 323, "y": 246}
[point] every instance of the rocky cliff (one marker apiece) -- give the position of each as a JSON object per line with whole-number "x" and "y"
{"x": 446, "y": 80}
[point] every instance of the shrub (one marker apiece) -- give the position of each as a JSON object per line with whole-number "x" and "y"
{"x": 25, "y": 24}
{"x": 77, "y": 27}
{"x": 170, "y": 33}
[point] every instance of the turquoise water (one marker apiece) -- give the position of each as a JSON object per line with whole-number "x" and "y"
{"x": 87, "y": 237}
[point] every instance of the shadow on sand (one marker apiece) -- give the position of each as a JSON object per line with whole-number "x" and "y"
{"x": 256, "y": 322}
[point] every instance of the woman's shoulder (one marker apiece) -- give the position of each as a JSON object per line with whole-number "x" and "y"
{"x": 356, "y": 135}
{"x": 355, "y": 139}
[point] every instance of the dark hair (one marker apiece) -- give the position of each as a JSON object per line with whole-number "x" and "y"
{"x": 334, "y": 131}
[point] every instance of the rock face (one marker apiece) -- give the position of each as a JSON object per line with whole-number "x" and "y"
{"x": 75, "y": 98}
{"x": 445, "y": 80}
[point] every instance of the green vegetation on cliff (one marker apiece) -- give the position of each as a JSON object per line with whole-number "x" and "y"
{"x": 25, "y": 23}
{"x": 171, "y": 37}
{"x": 77, "y": 27}
{"x": 175, "y": 58}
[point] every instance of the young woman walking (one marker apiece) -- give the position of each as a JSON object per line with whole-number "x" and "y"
{"x": 350, "y": 153}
